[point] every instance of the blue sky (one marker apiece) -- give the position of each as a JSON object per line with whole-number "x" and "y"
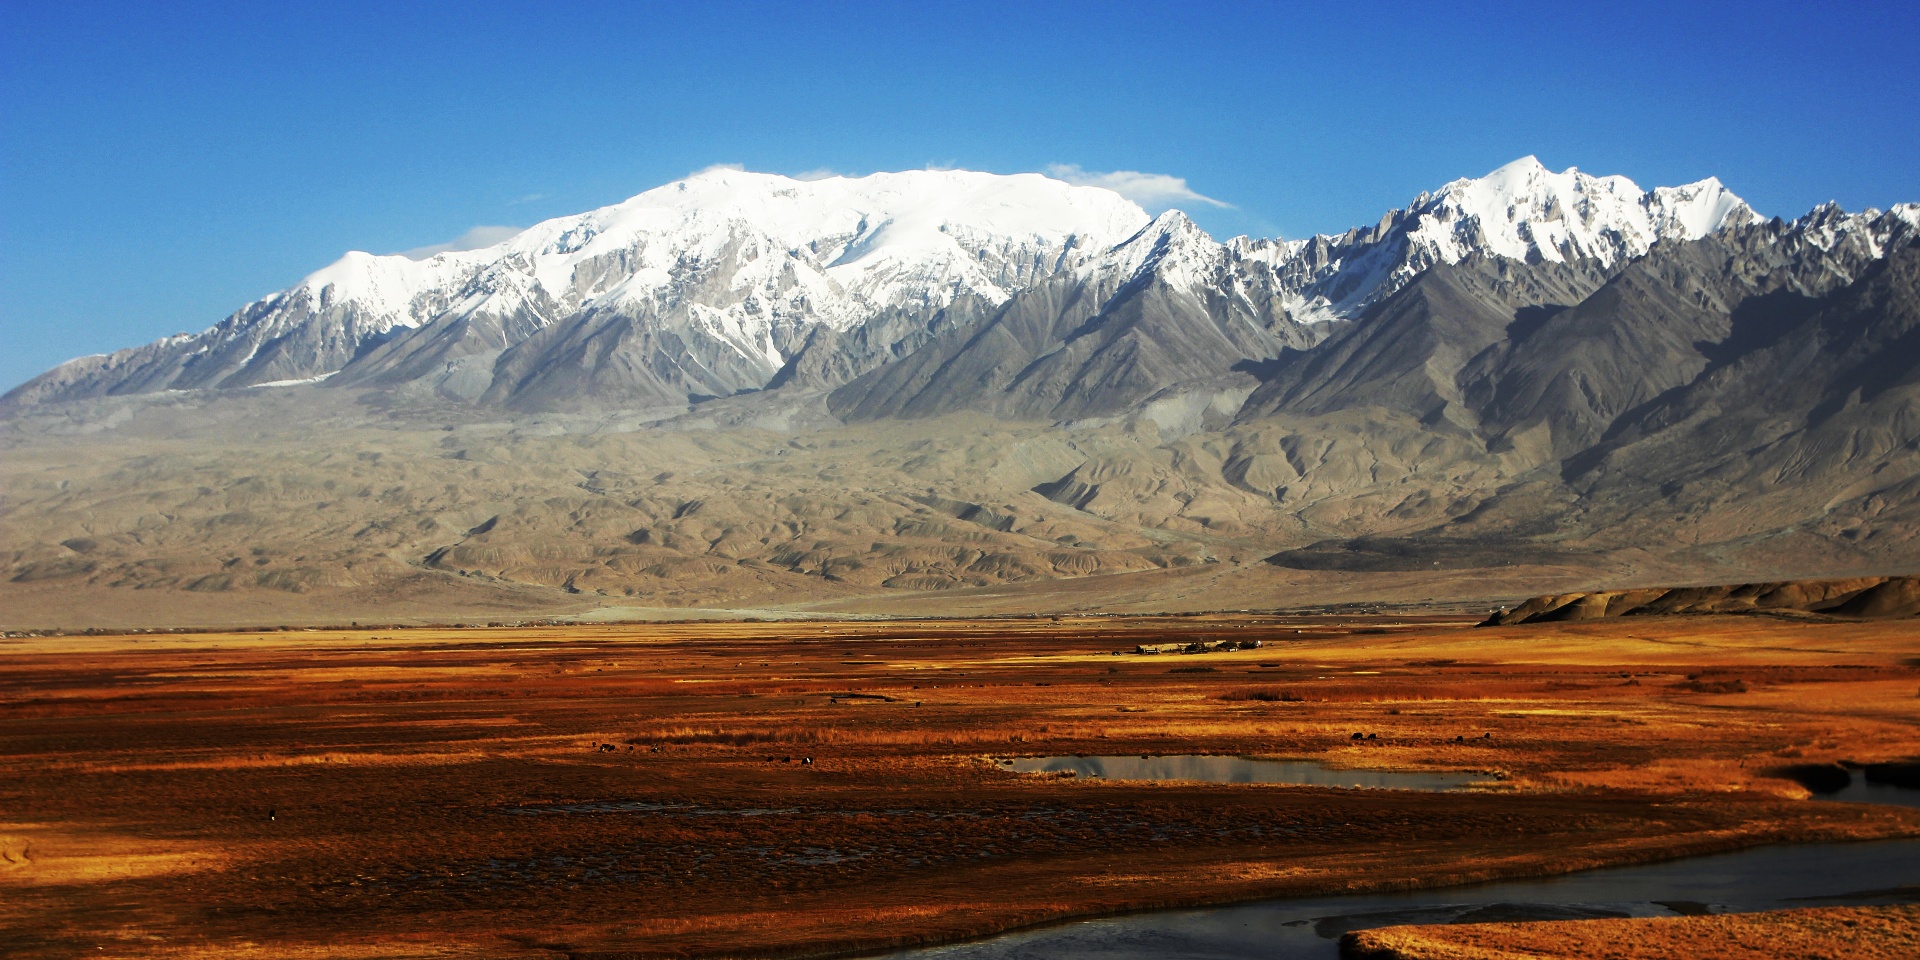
{"x": 161, "y": 164}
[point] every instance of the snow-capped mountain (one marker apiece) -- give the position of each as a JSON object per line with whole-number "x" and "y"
{"x": 1522, "y": 211}
{"x": 735, "y": 266}
{"x": 730, "y": 281}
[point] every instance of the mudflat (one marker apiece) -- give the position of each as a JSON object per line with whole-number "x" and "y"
{"x": 710, "y": 789}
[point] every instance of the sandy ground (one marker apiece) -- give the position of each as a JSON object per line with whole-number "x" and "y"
{"x": 431, "y": 597}
{"x": 710, "y": 789}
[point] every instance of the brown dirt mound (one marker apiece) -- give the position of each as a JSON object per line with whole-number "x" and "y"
{"x": 1851, "y": 597}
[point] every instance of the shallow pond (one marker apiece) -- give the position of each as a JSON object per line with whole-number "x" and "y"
{"x": 1768, "y": 878}
{"x": 1862, "y": 790}
{"x": 1243, "y": 770}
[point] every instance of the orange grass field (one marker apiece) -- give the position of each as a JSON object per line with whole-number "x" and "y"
{"x": 628, "y": 790}
{"x": 1853, "y": 933}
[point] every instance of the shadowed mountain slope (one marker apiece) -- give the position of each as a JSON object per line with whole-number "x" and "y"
{"x": 1167, "y": 308}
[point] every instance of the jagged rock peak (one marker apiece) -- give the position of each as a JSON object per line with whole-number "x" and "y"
{"x": 1521, "y": 211}
{"x": 1172, "y": 247}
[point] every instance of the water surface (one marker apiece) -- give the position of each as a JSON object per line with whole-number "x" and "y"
{"x": 1210, "y": 769}
{"x": 1862, "y": 790}
{"x": 1308, "y": 928}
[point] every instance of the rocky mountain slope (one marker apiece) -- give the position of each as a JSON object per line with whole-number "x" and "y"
{"x": 744, "y": 390}
{"x": 1167, "y": 310}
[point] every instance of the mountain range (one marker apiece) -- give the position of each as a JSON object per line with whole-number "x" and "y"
{"x": 1531, "y": 372}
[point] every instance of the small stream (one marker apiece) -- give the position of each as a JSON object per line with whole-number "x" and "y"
{"x": 1767, "y": 878}
{"x": 1211, "y": 769}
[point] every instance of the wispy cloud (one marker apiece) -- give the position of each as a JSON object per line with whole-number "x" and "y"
{"x": 819, "y": 173}
{"x": 473, "y": 239}
{"x": 711, "y": 168}
{"x": 529, "y": 198}
{"x": 1155, "y": 191}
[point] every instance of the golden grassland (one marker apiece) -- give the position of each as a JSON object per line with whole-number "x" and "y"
{"x": 712, "y": 789}
{"x": 1856, "y": 933}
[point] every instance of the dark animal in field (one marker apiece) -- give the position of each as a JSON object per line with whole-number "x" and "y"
{"x": 1359, "y": 736}
{"x": 806, "y": 760}
{"x": 1373, "y": 736}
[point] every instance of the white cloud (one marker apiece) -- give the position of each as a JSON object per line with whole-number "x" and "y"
{"x": 529, "y": 198}
{"x": 473, "y": 239}
{"x": 820, "y": 173}
{"x": 1155, "y": 191}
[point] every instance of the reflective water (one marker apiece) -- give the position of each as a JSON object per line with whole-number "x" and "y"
{"x": 1769, "y": 878}
{"x": 1243, "y": 770}
{"x": 1862, "y": 790}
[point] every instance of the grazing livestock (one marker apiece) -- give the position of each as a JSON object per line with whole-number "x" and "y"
{"x": 1359, "y": 736}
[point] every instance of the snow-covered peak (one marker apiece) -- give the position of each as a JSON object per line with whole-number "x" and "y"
{"x": 1871, "y": 232}
{"x": 1523, "y": 211}
{"x": 843, "y": 244}
{"x": 1697, "y": 209}
{"x": 1172, "y": 247}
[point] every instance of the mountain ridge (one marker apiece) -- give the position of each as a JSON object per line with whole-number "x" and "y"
{"x": 1168, "y": 410}
{"x": 725, "y": 276}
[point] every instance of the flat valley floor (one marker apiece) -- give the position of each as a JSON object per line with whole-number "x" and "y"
{"x": 722, "y": 789}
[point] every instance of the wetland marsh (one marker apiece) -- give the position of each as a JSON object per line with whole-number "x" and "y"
{"x": 817, "y": 788}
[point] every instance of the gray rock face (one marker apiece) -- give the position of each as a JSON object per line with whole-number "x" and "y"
{"x": 1564, "y": 381}
{"x": 1408, "y": 352}
{"x": 1550, "y": 355}
{"x": 1760, "y": 394}
{"x": 1167, "y": 308}
{"x": 291, "y": 336}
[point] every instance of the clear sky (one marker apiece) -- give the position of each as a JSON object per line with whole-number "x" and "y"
{"x": 163, "y": 163}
